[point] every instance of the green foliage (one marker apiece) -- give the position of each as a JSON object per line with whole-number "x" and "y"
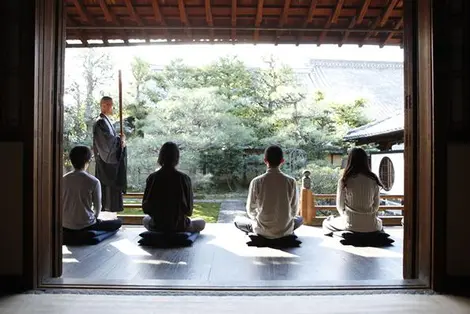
{"x": 207, "y": 211}
{"x": 324, "y": 177}
{"x": 214, "y": 113}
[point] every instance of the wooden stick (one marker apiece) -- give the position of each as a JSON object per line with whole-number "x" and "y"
{"x": 120, "y": 104}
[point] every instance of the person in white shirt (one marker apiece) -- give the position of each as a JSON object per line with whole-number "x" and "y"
{"x": 272, "y": 204}
{"x": 81, "y": 196}
{"x": 357, "y": 197}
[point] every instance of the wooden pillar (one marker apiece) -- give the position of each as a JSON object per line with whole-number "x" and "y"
{"x": 30, "y": 136}
{"x": 307, "y": 210}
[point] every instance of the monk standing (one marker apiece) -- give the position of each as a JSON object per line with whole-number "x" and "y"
{"x": 111, "y": 161}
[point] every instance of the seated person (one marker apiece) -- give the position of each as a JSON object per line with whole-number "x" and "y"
{"x": 357, "y": 198}
{"x": 81, "y": 196}
{"x": 168, "y": 196}
{"x": 272, "y": 203}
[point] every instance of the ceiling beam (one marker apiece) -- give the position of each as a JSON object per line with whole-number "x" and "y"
{"x": 283, "y": 19}
{"x": 363, "y": 11}
{"x": 233, "y": 34}
{"x": 323, "y": 33}
{"x": 337, "y": 12}
{"x": 369, "y": 34}
{"x": 250, "y": 28}
{"x": 223, "y": 11}
{"x": 209, "y": 20}
{"x": 108, "y": 14}
{"x": 184, "y": 17}
{"x": 311, "y": 13}
{"x": 346, "y": 33}
{"x": 390, "y": 35}
{"x": 382, "y": 18}
{"x": 285, "y": 13}
{"x": 159, "y": 17}
{"x": 309, "y": 18}
{"x": 259, "y": 18}
{"x": 83, "y": 12}
{"x": 388, "y": 12}
{"x": 80, "y": 34}
{"x": 133, "y": 13}
{"x": 157, "y": 13}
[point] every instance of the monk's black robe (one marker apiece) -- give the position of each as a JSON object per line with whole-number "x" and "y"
{"x": 111, "y": 164}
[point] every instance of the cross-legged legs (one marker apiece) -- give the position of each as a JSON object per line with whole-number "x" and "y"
{"x": 246, "y": 225}
{"x": 195, "y": 225}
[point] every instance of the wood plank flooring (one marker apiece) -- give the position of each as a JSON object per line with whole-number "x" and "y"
{"x": 117, "y": 304}
{"x": 220, "y": 257}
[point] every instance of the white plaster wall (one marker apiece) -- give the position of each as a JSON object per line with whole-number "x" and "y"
{"x": 398, "y": 161}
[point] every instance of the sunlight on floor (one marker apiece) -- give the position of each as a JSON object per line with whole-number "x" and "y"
{"x": 360, "y": 251}
{"x": 69, "y": 260}
{"x": 157, "y": 262}
{"x": 127, "y": 247}
{"x": 238, "y": 246}
{"x": 65, "y": 250}
{"x": 259, "y": 263}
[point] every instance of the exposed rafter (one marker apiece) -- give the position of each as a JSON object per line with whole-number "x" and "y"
{"x": 80, "y": 34}
{"x": 184, "y": 17}
{"x": 363, "y": 11}
{"x": 283, "y": 18}
{"x": 209, "y": 20}
{"x": 108, "y": 14}
{"x": 323, "y": 34}
{"x": 311, "y": 13}
{"x": 246, "y": 21}
{"x": 233, "y": 32}
{"x": 382, "y": 19}
{"x": 388, "y": 12}
{"x": 309, "y": 19}
{"x": 337, "y": 12}
{"x": 133, "y": 13}
{"x": 157, "y": 13}
{"x": 369, "y": 34}
{"x": 159, "y": 17}
{"x": 390, "y": 35}
{"x": 83, "y": 12}
{"x": 259, "y": 19}
{"x": 346, "y": 33}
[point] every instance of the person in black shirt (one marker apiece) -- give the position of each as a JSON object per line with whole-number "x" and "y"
{"x": 168, "y": 196}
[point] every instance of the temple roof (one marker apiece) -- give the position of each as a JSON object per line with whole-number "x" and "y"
{"x": 390, "y": 129}
{"x": 380, "y": 84}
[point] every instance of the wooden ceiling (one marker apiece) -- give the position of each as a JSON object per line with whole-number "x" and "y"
{"x": 92, "y": 23}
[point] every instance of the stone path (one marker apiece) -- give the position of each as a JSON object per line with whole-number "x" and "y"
{"x": 229, "y": 209}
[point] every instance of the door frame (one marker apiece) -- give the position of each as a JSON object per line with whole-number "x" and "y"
{"x": 423, "y": 251}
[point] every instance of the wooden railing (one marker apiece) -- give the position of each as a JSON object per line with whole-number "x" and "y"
{"x": 309, "y": 206}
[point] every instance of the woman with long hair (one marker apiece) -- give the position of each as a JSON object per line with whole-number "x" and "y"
{"x": 357, "y": 197}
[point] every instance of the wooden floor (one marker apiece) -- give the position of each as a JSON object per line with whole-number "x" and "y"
{"x": 220, "y": 257}
{"x": 117, "y": 304}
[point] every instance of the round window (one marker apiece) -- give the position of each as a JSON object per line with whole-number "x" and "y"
{"x": 386, "y": 173}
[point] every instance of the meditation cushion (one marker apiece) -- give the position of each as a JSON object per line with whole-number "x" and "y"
{"x": 166, "y": 239}
{"x": 374, "y": 239}
{"x": 284, "y": 242}
{"x": 85, "y": 237}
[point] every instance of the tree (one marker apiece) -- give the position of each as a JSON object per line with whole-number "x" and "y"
{"x": 199, "y": 121}
{"x": 92, "y": 82}
{"x": 231, "y": 76}
{"x": 89, "y": 74}
{"x": 215, "y": 113}
{"x": 141, "y": 73}
{"x": 138, "y": 109}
